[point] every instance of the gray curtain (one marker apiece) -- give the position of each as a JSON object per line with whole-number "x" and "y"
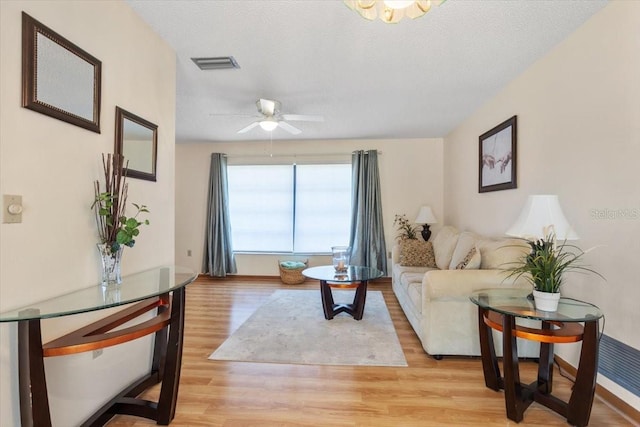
{"x": 367, "y": 231}
{"x": 218, "y": 250}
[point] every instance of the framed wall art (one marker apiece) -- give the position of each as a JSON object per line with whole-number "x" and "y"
{"x": 58, "y": 78}
{"x": 497, "y": 159}
{"x": 137, "y": 141}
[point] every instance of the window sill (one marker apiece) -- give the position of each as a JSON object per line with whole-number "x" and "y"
{"x": 282, "y": 253}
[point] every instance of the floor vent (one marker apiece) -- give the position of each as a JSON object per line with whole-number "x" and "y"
{"x": 620, "y": 363}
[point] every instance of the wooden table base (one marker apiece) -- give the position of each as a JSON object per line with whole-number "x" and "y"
{"x": 519, "y": 396}
{"x": 168, "y": 326}
{"x": 355, "y": 309}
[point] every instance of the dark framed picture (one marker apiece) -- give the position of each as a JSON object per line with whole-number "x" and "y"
{"x": 59, "y": 79}
{"x": 137, "y": 141}
{"x": 497, "y": 163}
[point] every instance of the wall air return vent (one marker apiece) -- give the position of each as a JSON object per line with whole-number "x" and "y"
{"x": 620, "y": 363}
{"x": 216, "y": 63}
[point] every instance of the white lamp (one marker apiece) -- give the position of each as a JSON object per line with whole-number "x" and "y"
{"x": 426, "y": 217}
{"x": 268, "y": 124}
{"x": 540, "y": 213}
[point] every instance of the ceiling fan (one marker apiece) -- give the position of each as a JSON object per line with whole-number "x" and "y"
{"x": 271, "y": 118}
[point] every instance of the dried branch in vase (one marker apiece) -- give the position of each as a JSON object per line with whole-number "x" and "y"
{"x": 114, "y": 228}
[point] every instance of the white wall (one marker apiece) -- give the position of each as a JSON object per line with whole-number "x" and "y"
{"x": 410, "y": 175}
{"x": 53, "y": 164}
{"x": 578, "y": 137}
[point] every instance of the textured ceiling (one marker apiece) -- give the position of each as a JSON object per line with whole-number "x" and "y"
{"x": 416, "y": 79}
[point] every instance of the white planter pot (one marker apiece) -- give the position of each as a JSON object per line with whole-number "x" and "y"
{"x": 546, "y": 301}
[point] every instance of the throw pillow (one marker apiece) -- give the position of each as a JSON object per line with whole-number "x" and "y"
{"x": 501, "y": 254}
{"x": 471, "y": 261}
{"x": 443, "y": 246}
{"x": 417, "y": 253}
{"x": 292, "y": 265}
{"x": 466, "y": 242}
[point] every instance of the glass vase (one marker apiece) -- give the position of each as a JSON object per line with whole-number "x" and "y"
{"x": 110, "y": 264}
{"x": 340, "y": 257}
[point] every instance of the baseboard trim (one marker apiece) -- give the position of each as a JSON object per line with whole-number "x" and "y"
{"x": 246, "y": 278}
{"x": 605, "y": 395}
{"x": 239, "y": 278}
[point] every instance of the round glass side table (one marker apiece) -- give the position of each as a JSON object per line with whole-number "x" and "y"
{"x": 574, "y": 321}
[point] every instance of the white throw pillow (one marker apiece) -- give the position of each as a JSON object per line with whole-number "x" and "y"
{"x": 443, "y": 246}
{"x": 471, "y": 261}
{"x": 502, "y": 254}
{"x": 466, "y": 242}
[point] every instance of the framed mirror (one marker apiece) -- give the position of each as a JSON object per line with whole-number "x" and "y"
{"x": 58, "y": 78}
{"x": 137, "y": 141}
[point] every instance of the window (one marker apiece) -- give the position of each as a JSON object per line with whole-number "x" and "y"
{"x": 289, "y": 208}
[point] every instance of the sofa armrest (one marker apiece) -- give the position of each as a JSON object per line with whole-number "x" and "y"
{"x": 438, "y": 284}
{"x": 395, "y": 254}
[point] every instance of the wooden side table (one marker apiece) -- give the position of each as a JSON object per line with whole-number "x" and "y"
{"x": 498, "y": 309}
{"x": 161, "y": 290}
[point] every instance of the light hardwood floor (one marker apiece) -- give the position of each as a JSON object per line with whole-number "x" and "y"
{"x": 426, "y": 393}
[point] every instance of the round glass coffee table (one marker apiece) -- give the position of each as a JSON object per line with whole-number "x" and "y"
{"x": 355, "y": 277}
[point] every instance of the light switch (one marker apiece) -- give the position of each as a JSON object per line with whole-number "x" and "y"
{"x": 12, "y": 209}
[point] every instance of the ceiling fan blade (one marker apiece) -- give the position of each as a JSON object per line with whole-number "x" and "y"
{"x": 233, "y": 115}
{"x": 267, "y": 107}
{"x": 248, "y": 128}
{"x": 286, "y": 126}
{"x": 302, "y": 118}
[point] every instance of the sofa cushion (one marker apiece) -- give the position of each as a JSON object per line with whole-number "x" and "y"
{"x": 403, "y": 275}
{"x": 471, "y": 261}
{"x": 414, "y": 292}
{"x": 466, "y": 242}
{"x": 443, "y": 246}
{"x": 502, "y": 254}
{"x": 417, "y": 253}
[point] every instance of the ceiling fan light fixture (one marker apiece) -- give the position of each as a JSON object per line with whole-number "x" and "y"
{"x": 268, "y": 124}
{"x": 398, "y": 4}
{"x": 391, "y": 11}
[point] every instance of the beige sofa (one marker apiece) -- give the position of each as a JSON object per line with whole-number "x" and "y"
{"x": 435, "y": 298}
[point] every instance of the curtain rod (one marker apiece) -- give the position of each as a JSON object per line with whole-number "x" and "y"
{"x": 295, "y": 155}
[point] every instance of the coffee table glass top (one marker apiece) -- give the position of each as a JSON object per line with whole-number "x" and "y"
{"x": 514, "y": 302}
{"x": 353, "y": 274}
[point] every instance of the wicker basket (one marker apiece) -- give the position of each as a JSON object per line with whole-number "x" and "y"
{"x": 292, "y": 276}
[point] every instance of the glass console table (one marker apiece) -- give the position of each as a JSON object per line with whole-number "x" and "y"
{"x": 498, "y": 309}
{"x": 161, "y": 289}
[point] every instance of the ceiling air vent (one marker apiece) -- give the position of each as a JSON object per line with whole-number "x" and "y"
{"x": 216, "y": 63}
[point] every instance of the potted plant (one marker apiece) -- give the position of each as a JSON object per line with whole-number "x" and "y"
{"x": 405, "y": 228}
{"x": 115, "y": 229}
{"x": 544, "y": 268}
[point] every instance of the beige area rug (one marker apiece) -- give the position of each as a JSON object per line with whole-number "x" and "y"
{"x": 290, "y": 328}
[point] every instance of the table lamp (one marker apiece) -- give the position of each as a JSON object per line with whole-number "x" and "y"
{"x": 541, "y": 215}
{"x": 426, "y": 217}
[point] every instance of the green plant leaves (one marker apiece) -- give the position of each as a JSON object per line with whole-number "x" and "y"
{"x": 405, "y": 228}
{"x": 547, "y": 262}
{"x": 125, "y": 228}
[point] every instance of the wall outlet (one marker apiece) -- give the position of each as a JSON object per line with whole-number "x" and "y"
{"x": 188, "y": 252}
{"x": 97, "y": 353}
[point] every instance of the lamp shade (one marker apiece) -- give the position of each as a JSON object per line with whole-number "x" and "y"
{"x": 425, "y": 216}
{"x": 539, "y": 213}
